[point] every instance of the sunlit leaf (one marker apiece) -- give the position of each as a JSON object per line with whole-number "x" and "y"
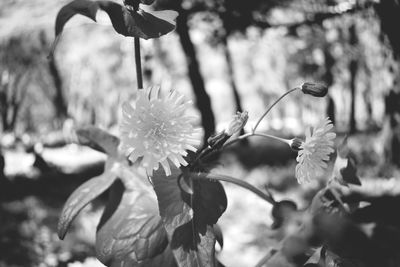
{"x": 143, "y": 24}
{"x": 130, "y": 232}
{"x": 82, "y": 196}
{"x": 98, "y": 139}
{"x": 148, "y": 24}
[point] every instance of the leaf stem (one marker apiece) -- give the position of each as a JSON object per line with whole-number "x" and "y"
{"x": 267, "y": 197}
{"x": 138, "y": 62}
{"x": 276, "y": 101}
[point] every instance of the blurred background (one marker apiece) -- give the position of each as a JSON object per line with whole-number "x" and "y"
{"x": 226, "y": 55}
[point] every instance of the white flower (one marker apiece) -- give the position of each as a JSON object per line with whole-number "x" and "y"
{"x": 157, "y": 130}
{"x": 314, "y": 151}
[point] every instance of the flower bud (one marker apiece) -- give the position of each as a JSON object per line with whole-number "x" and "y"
{"x": 238, "y": 122}
{"x": 295, "y": 144}
{"x": 216, "y": 141}
{"x": 314, "y": 89}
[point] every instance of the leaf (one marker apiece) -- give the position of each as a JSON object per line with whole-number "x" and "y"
{"x": 83, "y": 7}
{"x": 130, "y": 232}
{"x": 147, "y": 25}
{"x": 98, "y": 139}
{"x": 344, "y": 170}
{"x": 208, "y": 202}
{"x": 190, "y": 231}
{"x": 82, "y": 196}
{"x": 141, "y": 24}
{"x": 349, "y": 173}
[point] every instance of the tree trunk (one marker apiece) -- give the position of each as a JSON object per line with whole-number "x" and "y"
{"x": 4, "y": 110}
{"x": 202, "y": 99}
{"x": 353, "y": 76}
{"x": 2, "y": 165}
{"x": 367, "y": 100}
{"x": 231, "y": 74}
{"x": 328, "y": 78}
{"x": 389, "y": 14}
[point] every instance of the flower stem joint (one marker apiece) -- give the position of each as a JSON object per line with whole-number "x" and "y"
{"x": 314, "y": 89}
{"x": 295, "y": 144}
{"x": 216, "y": 141}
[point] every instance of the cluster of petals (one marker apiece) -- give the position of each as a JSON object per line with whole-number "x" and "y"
{"x": 157, "y": 130}
{"x": 314, "y": 151}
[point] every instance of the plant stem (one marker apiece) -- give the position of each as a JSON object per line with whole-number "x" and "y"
{"x": 205, "y": 154}
{"x": 276, "y": 101}
{"x": 138, "y": 62}
{"x": 236, "y": 181}
{"x": 266, "y": 258}
{"x": 286, "y": 141}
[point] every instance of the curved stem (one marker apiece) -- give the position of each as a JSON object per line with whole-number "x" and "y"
{"x": 241, "y": 137}
{"x": 236, "y": 181}
{"x": 138, "y": 62}
{"x": 276, "y": 101}
{"x": 212, "y": 152}
{"x": 286, "y": 141}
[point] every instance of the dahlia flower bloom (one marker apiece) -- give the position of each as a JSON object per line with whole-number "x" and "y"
{"x": 157, "y": 131}
{"x": 314, "y": 151}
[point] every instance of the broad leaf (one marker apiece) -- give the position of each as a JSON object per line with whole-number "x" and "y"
{"x": 208, "y": 202}
{"x": 82, "y": 196}
{"x": 190, "y": 232}
{"x": 98, "y": 139}
{"x": 126, "y": 22}
{"x": 130, "y": 230}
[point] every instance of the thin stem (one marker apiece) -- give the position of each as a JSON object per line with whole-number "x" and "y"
{"x": 276, "y": 101}
{"x": 241, "y": 137}
{"x": 236, "y": 181}
{"x": 266, "y": 258}
{"x": 138, "y": 62}
{"x": 212, "y": 152}
{"x": 286, "y": 141}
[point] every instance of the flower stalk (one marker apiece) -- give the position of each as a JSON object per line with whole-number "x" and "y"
{"x": 273, "y": 104}
{"x": 139, "y": 76}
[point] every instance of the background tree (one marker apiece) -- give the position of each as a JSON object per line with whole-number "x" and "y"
{"x": 389, "y": 15}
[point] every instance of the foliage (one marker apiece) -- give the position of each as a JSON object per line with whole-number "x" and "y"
{"x": 169, "y": 217}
